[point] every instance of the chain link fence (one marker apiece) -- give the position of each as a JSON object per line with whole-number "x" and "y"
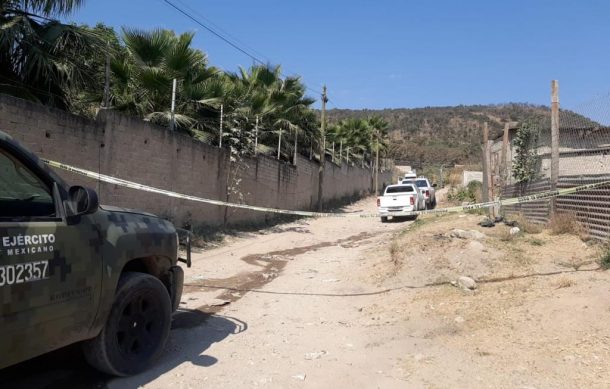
{"x": 521, "y": 164}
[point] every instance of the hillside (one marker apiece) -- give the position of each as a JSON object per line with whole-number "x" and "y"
{"x": 448, "y": 135}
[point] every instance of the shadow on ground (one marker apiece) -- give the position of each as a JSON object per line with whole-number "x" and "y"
{"x": 193, "y": 332}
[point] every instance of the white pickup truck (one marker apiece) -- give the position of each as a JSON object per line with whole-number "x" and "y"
{"x": 428, "y": 190}
{"x": 400, "y": 198}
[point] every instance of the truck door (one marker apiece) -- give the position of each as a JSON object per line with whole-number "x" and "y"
{"x": 50, "y": 271}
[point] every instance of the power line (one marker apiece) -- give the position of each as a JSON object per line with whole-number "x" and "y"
{"x": 218, "y": 35}
{"x": 225, "y": 32}
{"x": 226, "y": 40}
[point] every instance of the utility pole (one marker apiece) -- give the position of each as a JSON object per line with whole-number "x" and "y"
{"x": 554, "y": 139}
{"x": 256, "y": 135}
{"x": 322, "y": 151}
{"x": 279, "y": 144}
{"x": 172, "y": 124}
{"x": 221, "y": 112}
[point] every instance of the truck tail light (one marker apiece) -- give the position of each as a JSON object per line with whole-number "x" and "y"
{"x": 427, "y": 193}
{"x": 378, "y": 202}
{"x": 412, "y": 200}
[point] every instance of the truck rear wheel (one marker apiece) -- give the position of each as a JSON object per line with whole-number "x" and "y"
{"x": 384, "y": 219}
{"x": 137, "y": 327}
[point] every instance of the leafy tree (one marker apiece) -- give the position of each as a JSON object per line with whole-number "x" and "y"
{"x": 40, "y": 57}
{"x": 526, "y": 160}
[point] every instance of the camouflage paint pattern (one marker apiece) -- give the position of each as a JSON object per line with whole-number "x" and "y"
{"x": 83, "y": 265}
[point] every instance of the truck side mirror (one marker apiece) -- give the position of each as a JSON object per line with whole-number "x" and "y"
{"x": 83, "y": 200}
{"x": 434, "y": 185}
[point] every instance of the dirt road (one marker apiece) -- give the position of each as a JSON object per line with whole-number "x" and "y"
{"x": 354, "y": 303}
{"x": 306, "y": 327}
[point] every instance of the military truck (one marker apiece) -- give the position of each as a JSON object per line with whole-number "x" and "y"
{"x": 72, "y": 270}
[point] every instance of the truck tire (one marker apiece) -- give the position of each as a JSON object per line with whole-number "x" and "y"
{"x": 136, "y": 329}
{"x": 384, "y": 219}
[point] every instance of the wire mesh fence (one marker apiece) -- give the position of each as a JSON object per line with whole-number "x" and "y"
{"x": 522, "y": 165}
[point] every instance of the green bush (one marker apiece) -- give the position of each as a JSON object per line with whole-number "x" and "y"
{"x": 605, "y": 259}
{"x": 471, "y": 192}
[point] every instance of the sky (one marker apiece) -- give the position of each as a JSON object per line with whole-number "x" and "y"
{"x": 399, "y": 53}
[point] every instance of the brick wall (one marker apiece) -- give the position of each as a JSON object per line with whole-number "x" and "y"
{"x": 135, "y": 150}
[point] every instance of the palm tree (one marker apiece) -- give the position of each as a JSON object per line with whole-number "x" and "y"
{"x": 40, "y": 57}
{"x": 379, "y": 141}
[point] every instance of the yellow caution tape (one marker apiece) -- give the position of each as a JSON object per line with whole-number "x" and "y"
{"x": 462, "y": 208}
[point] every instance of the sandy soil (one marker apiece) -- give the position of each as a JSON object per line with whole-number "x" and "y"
{"x": 357, "y": 303}
{"x": 354, "y": 303}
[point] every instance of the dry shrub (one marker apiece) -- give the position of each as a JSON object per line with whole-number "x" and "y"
{"x": 528, "y": 226}
{"x": 564, "y": 282}
{"x": 506, "y": 236}
{"x": 567, "y": 223}
{"x": 456, "y": 176}
{"x": 395, "y": 251}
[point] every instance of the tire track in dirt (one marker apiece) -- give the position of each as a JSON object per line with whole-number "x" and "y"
{"x": 270, "y": 266}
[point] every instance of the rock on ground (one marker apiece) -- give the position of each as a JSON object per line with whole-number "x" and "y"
{"x": 470, "y": 234}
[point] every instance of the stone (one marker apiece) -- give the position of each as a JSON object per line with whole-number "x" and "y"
{"x": 466, "y": 283}
{"x": 315, "y": 355}
{"x": 299, "y": 377}
{"x": 514, "y": 231}
{"x": 459, "y": 319}
{"x": 463, "y": 234}
{"x": 475, "y": 245}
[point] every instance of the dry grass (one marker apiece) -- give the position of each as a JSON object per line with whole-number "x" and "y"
{"x": 536, "y": 242}
{"x": 528, "y": 226}
{"x": 395, "y": 251}
{"x": 506, "y": 236}
{"x": 567, "y": 223}
{"x": 564, "y": 282}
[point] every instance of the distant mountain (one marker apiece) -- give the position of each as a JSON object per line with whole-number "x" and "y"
{"x": 449, "y": 135}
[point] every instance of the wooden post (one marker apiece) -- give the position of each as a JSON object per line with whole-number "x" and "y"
{"x": 488, "y": 194}
{"x": 503, "y": 161}
{"x": 554, "y": 139}
{"x": 486, "y": 180}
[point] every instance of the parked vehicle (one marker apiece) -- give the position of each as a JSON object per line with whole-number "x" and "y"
{"x": 399, "y": 198}
{"x": 407, "y": 177}
{"x": 74, "y": 271}
{"x": 427, "y": 189}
